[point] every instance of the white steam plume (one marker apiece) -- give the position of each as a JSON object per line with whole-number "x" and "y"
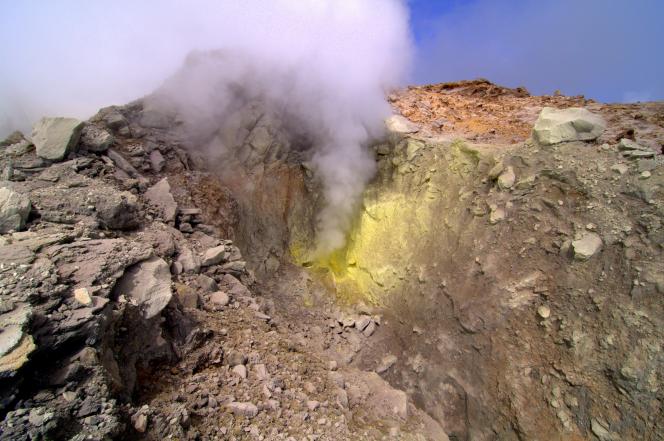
{"x": 329, "y": 61}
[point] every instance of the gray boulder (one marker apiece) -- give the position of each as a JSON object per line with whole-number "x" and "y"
{"x": 148, "y": 283}
{"x": 95, "y": 139}
{"x": 247, "y": 410}
{"x": 159, "y": 195}
{"x": 157, "y": 161}
{"x": 55, "y": 137}
{"x": 118, "y": 211}
{"x": 14, "y": 210}
{"x": 189, "y": 263}
{"x": 564, "y": 125}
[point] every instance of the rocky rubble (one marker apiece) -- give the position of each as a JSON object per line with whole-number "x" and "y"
{"x": 125, "y": 313}
{"x": 493, "y": 286}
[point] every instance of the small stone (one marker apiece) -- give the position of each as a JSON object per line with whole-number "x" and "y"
{"x": 235, "y": 358}
{"x": 496, "y": 170}
{"x": 187, "y": 296}
{"x": 544, "y": 312}
{"x": 247, "y": 410}
{"x": 587, "y": 246}
{"x": 313, "y": 405}
{"x": 95, "y": 139}
{"x": 261, "y": 316}
{"x": 506, "y": 179}
{"x": 82, "y": 296}
{"x": 626, "y": 144}
{"x": 205, "y": 283}
{"x": 240, "y": 370}
{"x": 261, "y": 372}
{"x": 645, "y": 175}
{"x": 400, "y": 125}
{"x": 348, "y": 322}
{"x": 213, "y": 256}
{"x": 620, "y": 168}
{"x": 386, "y": 363}
{"x": 370, "y": 329}
{"x": 310, "y": 388}
{"x": 362, "y": 322}
{"x": 141, "y": 423}
{"x": 186, "y": 227}
{"x": 157, "y": 161}
{"x": 497, "y": 214}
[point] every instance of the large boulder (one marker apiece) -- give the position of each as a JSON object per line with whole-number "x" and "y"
{"x": 563, "y": 125}
{"x": 147, "y": 283}
{"x": 55, "y": 137}
{"x": 14, "y": 210}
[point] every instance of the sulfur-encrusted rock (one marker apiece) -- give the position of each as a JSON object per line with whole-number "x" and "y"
{"x": 563, "y": 125}
{"x": 55, "y": 137}
{"x": 14, "y": 210}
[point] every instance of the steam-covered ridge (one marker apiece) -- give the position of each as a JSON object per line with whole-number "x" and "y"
{"x": 162, "y": 272}
{"x": 216, "y": 94}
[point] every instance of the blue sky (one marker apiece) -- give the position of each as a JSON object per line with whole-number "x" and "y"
{"x": 609, "y": 50}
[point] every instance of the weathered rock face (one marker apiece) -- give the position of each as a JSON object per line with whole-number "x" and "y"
{"x": 118, "y": 211}
{"x": 14, "y": 210}
{"x": 484, "y": 244}
{"x": 148, "y": 283}
{"x": 15, "y": 344}
{"x": 55, "y": 137}
{"x": 564, "y": 125}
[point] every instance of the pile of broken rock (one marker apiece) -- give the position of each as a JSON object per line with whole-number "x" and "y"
{"x": 85, "y": 279}
{"x": 123, "y": 314}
